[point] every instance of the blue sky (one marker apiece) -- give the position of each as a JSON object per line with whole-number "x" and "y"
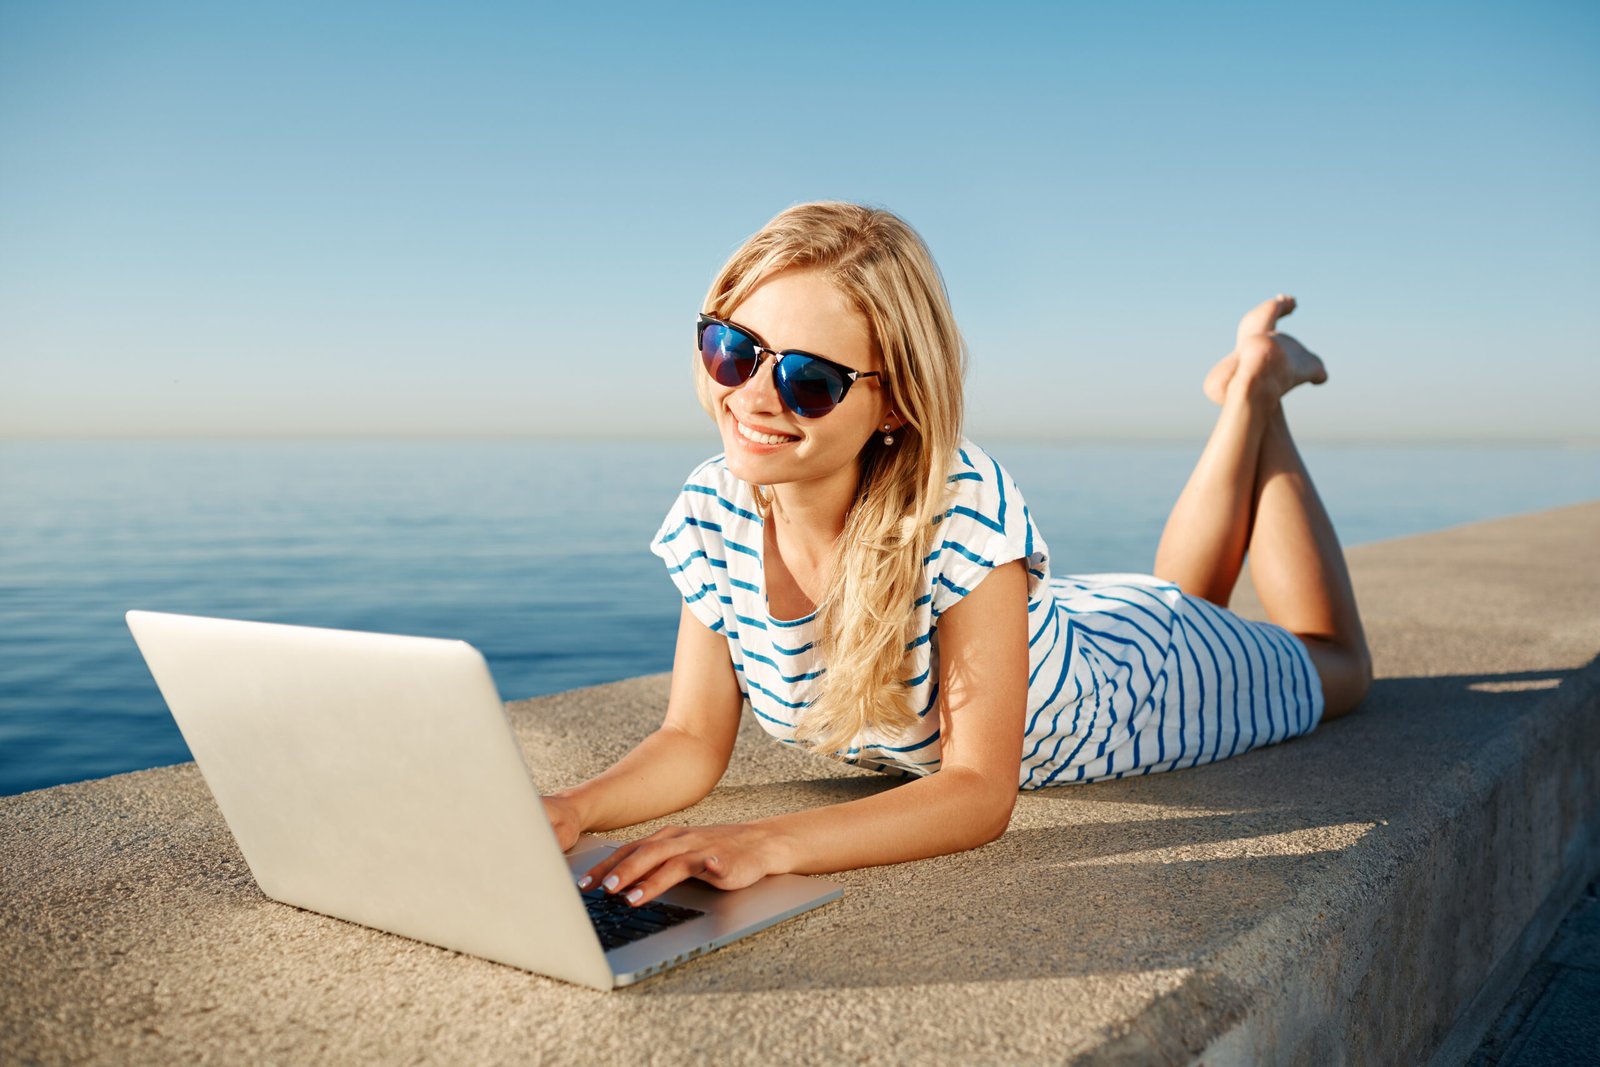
{"x": 495, "y": 219}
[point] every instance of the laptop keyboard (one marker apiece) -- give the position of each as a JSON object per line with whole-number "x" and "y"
{"x": 618, "y": 922}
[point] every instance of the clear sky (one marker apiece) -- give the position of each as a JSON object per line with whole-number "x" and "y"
{"x": 500, "y": 219}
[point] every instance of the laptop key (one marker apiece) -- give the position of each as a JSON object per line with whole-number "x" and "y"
{"x": 618, "y": 923}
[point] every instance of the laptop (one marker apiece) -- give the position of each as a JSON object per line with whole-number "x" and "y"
{"x": 375, "y": 778}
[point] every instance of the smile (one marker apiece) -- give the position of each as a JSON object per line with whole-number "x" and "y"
{"x": 762, "y": 438}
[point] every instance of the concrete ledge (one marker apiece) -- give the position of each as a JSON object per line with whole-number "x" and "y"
{"x": 1347, "y": 897}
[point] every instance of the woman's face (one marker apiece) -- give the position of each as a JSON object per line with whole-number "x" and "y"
{"x": 765, "y": 442}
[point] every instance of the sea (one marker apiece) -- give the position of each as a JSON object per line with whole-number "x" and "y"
{"x": 535, "y": 551}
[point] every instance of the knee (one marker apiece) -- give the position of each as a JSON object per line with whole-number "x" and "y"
{"x": 1343, "y": 693}
{"x": 1345, "y": 671}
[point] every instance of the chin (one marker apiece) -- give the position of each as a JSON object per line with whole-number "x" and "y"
{"x": 747, "y": 467}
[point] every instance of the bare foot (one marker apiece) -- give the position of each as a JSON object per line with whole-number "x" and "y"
{"x": 1217, "y": 379}
{"x": 1275, "y": 359}
{"x": 1302, "y": 365}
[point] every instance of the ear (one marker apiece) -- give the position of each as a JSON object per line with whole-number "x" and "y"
{"x": 891, "y": 422}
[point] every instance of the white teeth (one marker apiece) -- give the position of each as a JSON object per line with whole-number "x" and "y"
{"x": 761, "y": 438}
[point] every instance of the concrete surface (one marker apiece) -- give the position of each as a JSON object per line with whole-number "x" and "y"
{"x": 1553, "y": 1019}
{"x": 1340, "y": 898}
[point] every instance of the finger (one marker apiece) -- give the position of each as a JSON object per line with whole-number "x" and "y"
{"x": 708, "y": 868}
{"x": 597, "y": 874}
{"x": 678, "y": 869}
{"x": 1263, "y": 318}
{"x": 644, "y": 857}
{"x": 724, "y": 873}
{"x": 661, "y": 879}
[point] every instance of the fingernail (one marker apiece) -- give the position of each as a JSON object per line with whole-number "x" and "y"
{"x": 633, "y": 896}
{"x": 585, "y": 882}
{"x": 611, "y": 883}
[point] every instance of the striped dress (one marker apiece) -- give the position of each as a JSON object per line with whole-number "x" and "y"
{"x": 1126, "y": 674}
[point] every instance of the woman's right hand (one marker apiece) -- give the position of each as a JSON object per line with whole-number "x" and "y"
{"x": 564, "y": 818}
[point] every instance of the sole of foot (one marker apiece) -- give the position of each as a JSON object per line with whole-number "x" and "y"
{"x": 1276, "y": 356}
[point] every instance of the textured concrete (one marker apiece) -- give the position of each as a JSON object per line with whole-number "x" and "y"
{"x": 1340, "y": 898}
{"x": 1554, "y": 1015}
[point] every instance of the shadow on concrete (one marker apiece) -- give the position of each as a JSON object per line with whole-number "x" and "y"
{"x": 1130, "y": 877}
{"x": 1156, "y": 873}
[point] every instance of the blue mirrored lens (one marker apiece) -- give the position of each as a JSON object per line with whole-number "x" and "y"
{"x": 729, "y": 355}
{"x": 810, "y": 387}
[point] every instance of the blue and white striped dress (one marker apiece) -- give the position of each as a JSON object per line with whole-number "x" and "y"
{"x": 1126, "y": 674}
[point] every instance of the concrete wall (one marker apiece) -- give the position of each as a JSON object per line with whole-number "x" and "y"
{"x": 1361, "y": 895}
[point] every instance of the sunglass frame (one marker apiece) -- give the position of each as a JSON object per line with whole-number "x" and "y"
{"x": 785, "y": 391}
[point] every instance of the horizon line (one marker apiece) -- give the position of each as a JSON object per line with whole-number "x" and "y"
{"x": 1015, "y": 437}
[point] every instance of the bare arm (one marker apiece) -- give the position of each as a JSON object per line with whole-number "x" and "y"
{"x": 983, "y": 651}
{"x": 680, "y": 762}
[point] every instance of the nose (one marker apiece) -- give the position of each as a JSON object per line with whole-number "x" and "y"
{"x": 759, "y": 393}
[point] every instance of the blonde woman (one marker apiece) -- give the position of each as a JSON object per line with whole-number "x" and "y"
{"x": 872, "y": 585}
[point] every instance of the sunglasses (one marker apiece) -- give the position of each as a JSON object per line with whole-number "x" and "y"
{"x": 808, "y": 385}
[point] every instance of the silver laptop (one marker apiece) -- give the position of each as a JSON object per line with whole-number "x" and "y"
{"x": 376, "y": 779}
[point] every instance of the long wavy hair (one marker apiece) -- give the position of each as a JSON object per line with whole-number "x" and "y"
{"x": 866, "y": 617}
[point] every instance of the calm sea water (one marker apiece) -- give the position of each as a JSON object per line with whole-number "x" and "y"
{"x": 535, "y": 551}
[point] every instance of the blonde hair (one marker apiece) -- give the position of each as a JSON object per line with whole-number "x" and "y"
{"x": 866, "y": 617}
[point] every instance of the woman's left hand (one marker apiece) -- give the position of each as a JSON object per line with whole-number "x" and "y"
{"x": 727, "y": 857}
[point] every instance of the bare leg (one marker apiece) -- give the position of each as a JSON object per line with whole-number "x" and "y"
{"x": 1250, "y": 493}
{"x": 1299, "y": 571}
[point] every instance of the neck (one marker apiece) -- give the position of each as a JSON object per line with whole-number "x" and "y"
{"x": 812, "y": 514}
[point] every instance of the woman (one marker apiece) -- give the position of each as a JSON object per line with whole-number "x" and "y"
{"x": 873, "y": 585}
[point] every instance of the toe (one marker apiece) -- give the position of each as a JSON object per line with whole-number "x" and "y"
{"x": 1263, "y": 318}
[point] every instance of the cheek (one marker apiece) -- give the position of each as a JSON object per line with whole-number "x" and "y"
{"x": 868, "y": 424}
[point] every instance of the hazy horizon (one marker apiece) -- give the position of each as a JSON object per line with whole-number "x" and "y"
{"x": 710, "y": 439}
{"x": 493, "y": 220}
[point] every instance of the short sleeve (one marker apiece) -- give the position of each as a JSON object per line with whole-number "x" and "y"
{"x": 986, "y": 525}
{"x": 703, "y": 525}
